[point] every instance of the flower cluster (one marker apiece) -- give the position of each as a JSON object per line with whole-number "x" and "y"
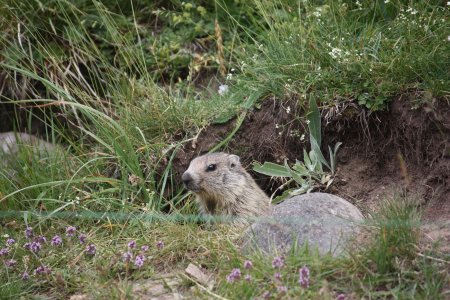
{"x": 139, "y": 258}
{"x": 279, "y": 287}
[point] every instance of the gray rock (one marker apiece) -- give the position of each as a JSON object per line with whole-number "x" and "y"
{"x": 11, "y": 141}
{"x": 322, "y": 220}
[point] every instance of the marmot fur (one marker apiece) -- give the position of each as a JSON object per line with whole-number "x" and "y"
{"x": 223, "y": 187}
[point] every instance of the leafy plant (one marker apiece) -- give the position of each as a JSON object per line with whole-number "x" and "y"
{"x": 309, "y": 173}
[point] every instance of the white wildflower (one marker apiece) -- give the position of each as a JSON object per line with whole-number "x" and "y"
{"x": 335, "y": 53}
{"x": 288, "y": 109}
{"x": 223, "y": 89}
{"x": 229, "y": 76}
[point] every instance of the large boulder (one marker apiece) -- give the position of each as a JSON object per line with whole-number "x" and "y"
{"x": 11, "y": 141}
{"x": 324, "y": 221}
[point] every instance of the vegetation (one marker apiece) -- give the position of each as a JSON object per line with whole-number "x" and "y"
{"x": 122, "y": 85}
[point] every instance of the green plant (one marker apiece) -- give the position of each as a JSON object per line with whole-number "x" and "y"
{"x": 309, "y": 173}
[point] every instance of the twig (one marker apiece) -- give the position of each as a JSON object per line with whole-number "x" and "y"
{"x": 203, "y": 288}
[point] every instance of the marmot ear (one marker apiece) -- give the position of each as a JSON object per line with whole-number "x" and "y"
{"x": 234, "y": 161}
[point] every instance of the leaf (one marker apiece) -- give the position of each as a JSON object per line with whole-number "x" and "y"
{"x": 314, "y": 122}
{"x": 271, "y": 169}
{"x": 333, "y": 157}
{"x": 316, "y": 148}
{"x": 297, "y": 177}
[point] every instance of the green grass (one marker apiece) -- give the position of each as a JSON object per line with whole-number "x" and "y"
{"x": 121, "y": 93}
{"x": 388, "y": 263}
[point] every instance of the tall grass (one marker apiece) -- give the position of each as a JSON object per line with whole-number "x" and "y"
{"x": 366, "y": 51}
{"x": 122, "y": 125}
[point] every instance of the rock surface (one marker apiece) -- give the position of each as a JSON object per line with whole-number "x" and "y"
{"x": 325, "y": 221}
{"x": 11, "y": 141}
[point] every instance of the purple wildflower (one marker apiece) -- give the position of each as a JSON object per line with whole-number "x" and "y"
{"x": 277, "y": 276}
{"x": 266, "y": 295}
{"x": 144, "y": 248}
{"x": 10, "y": 241}
{"x": 82, "y": 238}
{"x": 10, "y": 263}
{"x": 27, "y": 246}
{"x": 70, "y": 231}
{"x": 132, "y": 244}
{"x": 304, "y": 277}
{"x": 234, "y": 275}
{"x": 56, "y": 241}
{"x": 127, "y": 256}
{"x": 91, "y": 249}
{"x": 248, "y": 265}
{"x": 341, "y": 297}
{"x": 278, "y": 262}
{"x": 248, "y": 277}
{"x": 139, "y": 260}
{"x": 35, "y": 247}
{"x": 4, "y": 251}
{"x": 25, "y": 275}
{"x": 41, "y": 239}
{"x": 28, "y": 232}
{"x": 159, "y": 245}
{"x": 282, "y": 289}
{"x": 42, "y": 270}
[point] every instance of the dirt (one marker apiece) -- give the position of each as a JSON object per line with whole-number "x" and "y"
{"x": 404, "y": 150}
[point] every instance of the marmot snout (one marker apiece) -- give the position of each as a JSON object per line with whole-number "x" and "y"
{"x": 223, "y": 187}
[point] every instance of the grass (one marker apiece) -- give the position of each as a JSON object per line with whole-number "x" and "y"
{"x": 388, "y": 264}
{"x": 119, "y": 87}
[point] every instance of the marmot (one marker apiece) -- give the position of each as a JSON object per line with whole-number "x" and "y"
{"x": 223, "y": 187}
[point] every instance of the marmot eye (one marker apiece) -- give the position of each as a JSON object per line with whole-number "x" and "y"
{"x": 211, "y": 168}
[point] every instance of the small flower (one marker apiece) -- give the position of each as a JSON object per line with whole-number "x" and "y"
{"x": 278, "y": 262}
{"x": 341, "y": 297}
{"x": 159, "y": 245}
{"x": 144, "y": 248}
{"x": 248, "y": 277}
{"x": 28, "y": 232}
{"x": 223, "y": 89}
{"x": 35, "y": 247}
{"x": 56, "y": 241}
{"x": 82, "y": 238}
{"x": 27, "y": 246}
{"x": 248, "y": 265}
{"x": 139, "y": 261}
{"x": 304, "y": 277}
{"x": 42, "y": 270}
{"x": 70, "y": 231}
{"x": 91, "y": 249}
{"x": 132, "y": 244}
{"x": 288, "y": 109}
{"x": 10, "y": 241}
{"x": 25, "y": 275}
{"x": 41, "y": 239}
{"x": 10, "y": 263}
{"x": 234, "y": 275}
{"x": 282, "y": 289}
{"x": 127, "y": 256}
{"x": 4, "y": 252}
{"x": 277, "y": 276}
{"x": 386, "y": 1}
{"x": 266, "y": 295}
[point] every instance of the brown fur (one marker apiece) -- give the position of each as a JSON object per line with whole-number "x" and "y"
{"x": 227, "y": 190}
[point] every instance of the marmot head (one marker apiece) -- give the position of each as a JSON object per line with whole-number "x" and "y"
{"x": 211, "y": 173}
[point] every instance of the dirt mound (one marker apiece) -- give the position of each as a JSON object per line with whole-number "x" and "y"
{"x": 405, "y": 149}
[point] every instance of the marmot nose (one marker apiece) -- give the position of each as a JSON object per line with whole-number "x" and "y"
{"x": 187, "y": 178}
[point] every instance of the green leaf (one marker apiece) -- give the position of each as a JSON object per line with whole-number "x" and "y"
{"x": 314, "y": 122}
{"x": 297, "y": 177}
{"x": 271, "y": 169}
{"x": 316, "y": 148}
{"x": 333, "y": 156}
